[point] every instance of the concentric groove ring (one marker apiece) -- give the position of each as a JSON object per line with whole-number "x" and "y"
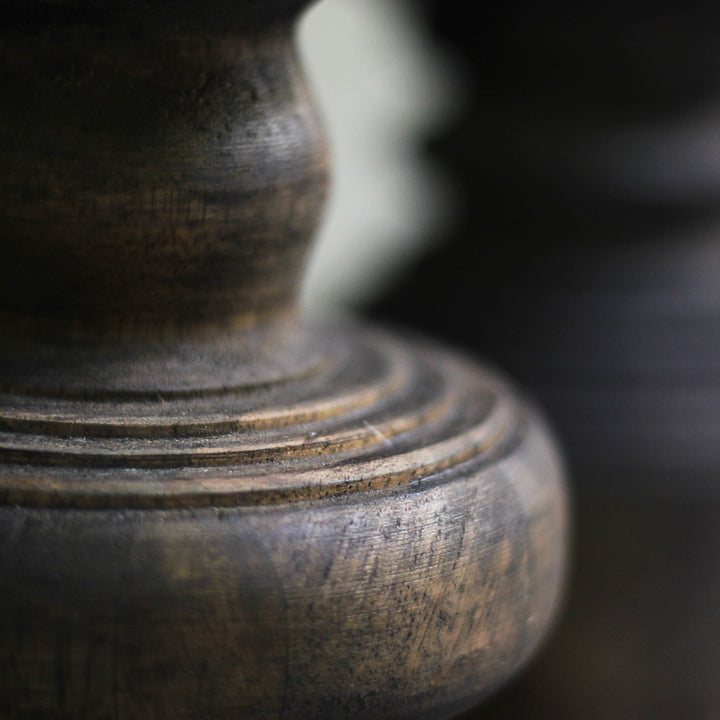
{"x": 201, "y": 417}
{"x": 384, "y": 416}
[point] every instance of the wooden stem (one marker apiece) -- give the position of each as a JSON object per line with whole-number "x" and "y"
{"x": 154, "y": 181}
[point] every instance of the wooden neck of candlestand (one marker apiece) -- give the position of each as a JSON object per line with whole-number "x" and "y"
{"x": 161, "y": 177}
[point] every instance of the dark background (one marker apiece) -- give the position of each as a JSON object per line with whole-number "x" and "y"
{"x": 584, "y": 263}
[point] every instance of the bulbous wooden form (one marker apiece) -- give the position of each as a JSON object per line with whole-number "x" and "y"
{"x": 208, "y": 509}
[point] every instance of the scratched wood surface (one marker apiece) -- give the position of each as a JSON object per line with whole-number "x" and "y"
{"x": 209, "y": 509}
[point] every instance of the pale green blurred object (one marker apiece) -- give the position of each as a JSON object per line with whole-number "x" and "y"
{"x": 382, "y": 86}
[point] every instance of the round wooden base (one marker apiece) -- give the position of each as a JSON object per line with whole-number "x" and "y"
{"x": 376, "y": 529}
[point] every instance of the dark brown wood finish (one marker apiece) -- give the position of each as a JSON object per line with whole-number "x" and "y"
{"x": 207, "y": 508}
{"x": 156, "y": 176}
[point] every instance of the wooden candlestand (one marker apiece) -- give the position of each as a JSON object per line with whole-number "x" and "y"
{"x": 208, "y": 509}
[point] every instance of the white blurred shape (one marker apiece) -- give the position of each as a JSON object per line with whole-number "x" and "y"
{"x": 381, "y": 87}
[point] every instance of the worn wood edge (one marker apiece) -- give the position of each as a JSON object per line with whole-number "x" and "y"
{"x": 292, "y": 454}
{"x": 516, "y": 550}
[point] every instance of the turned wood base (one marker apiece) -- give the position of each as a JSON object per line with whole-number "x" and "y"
{"x": 380, "y": 534}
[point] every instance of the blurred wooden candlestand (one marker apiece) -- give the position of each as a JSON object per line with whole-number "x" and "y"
{"x": 209, "y": 509}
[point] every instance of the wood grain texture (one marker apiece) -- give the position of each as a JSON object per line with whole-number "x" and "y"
{"x": 209, "y": 509}
{"x": 153, "y": 182}
{"x": 408, "y": 567}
